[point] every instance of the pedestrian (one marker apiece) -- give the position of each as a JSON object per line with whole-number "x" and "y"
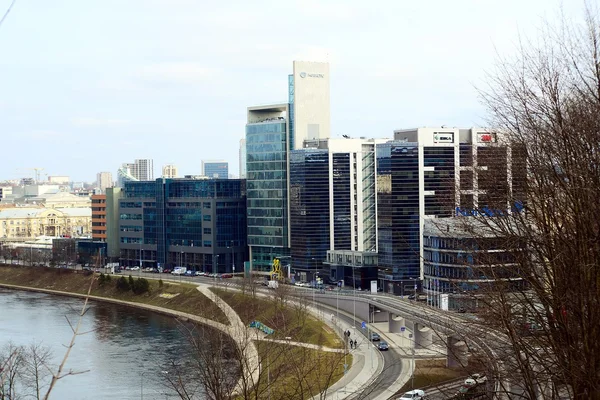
{"x": 351, "y": 343}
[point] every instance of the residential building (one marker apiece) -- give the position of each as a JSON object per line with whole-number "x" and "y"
{"x": 200, "y": 224}
{"x": 169, "y": 171}
{"x": 242, "y": 158}
{"x": 141, "y": 170}
{"x": 430, "y": 173}
{"x": 99, "y": 217}
{"x": 272, "y": 131}
{"x": 5, "y": 191}
{"x": 24, "y": 223}
{"x": 104, "y": 181}
{"x": 215, "y": 169}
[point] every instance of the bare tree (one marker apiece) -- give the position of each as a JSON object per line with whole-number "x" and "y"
{"x": 546, "y": 103}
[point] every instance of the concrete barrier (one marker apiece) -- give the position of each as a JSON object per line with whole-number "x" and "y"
{"x": 423, "y": 336}
{"x": 395, "y": 323}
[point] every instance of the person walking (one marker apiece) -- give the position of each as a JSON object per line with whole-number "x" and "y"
{"x": 351, "y": 343}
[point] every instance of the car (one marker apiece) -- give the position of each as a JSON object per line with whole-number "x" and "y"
{"x": 224, "y": 276}
{"x": 461, "y": 310}
{"x": 135, "y": 268}
{"x": 416, "y": 394}
{"x": 167, "y": 271}
{"x": 199, "y": 273}
{"x": 383, "y": 346}
{"x": 375, "y": 337}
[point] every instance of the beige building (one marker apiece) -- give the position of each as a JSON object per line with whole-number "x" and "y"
{"x": 169, "y": 171}
{"x": 104, "y": 180}
{"x": 29, "y": 222}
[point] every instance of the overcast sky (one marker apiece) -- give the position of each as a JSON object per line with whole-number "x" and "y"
{"x": 86, "y": 85}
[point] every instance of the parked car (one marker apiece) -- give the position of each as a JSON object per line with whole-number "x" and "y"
{"x": 226, "y": 276}
{"x": 189, "y": 273}
{"x": 167, "y": 271}
{"x": 199, "y": 273}
{"x": 135, "y": 268}
{"x": 375, "y": 337}
{"x": 383, "y": 346}
{"x": 416, "y": 394}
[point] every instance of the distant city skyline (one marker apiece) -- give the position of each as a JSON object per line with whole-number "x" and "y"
{"x": 81, "y": 98}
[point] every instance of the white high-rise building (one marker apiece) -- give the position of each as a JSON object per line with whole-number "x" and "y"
{"x": 169, "y": 171}
{"x": 104, "y": 180}
{"x": 242, "y": 160}
{"x": 141, "y": 170}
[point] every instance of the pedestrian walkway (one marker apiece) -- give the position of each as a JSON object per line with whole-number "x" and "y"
{"x": 367, "y": 362}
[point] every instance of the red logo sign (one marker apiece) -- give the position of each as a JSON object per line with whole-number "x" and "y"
{"x": 486, "y": 138}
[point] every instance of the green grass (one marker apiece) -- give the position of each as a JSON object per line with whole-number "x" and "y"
{"x": 188, "y": 299}
{"x": 287, "y": 319}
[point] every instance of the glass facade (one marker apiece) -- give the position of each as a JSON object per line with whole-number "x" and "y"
{"x": 216, "y": 169}
{"x": 309, "y": 208}
{"x": 398, "y": 211}
{"x": 440, "y": 180}
{"x": 266, "y": 152}
{"x": 193, "y": 223}
{"x": 342, "y": 202}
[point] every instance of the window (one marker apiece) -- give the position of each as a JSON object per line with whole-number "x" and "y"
{"x": 207, "y": 231}
{"x": 206, "y": 205}
{"x": 206, "y": 217}
{"x": 207, "y": 243}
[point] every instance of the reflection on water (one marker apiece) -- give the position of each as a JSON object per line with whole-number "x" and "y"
{"x": 124, "y": 346}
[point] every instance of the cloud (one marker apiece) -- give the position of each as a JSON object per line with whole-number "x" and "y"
{"x": 178, "y": 72}
{"x": 90, "y": 121}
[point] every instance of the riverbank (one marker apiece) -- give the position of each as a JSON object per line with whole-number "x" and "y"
{"x": 182, "y": 299}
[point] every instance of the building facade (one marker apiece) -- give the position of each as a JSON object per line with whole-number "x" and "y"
{"x": 462, "y": 261}
{"x": 242, "y": 158}
{"x": 215, "y": 169}
{"x": 99, "y": 217}
{"x": 104, "y": 181}
{"x": 432, "y": 173}
{"x": 25, "y": 223}
{"x": 200, "y": 224}
{"x": 333, "y": 205}
{"x": 113, "y": 195}
{"x": 139, "y": 170}
{"x": 169, "y": 171}
{"x": 272, "y": 131}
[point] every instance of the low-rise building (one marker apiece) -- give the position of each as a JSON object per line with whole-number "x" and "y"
{"x": 25, "y": 223}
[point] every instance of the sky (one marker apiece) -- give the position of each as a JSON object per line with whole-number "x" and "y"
{"x": 88, "y": 85}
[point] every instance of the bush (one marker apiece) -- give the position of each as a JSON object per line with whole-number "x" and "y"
{"x": 160, "y": 283}
{"x": 131, "y": 282}
{"x": 141, "y": 286}
{"x": 123, "y": 284}
{"x": 107, "y": 278}
{"x": 101, "y": 279}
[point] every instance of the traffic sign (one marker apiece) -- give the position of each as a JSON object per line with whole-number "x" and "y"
{"x": 402, "y": 328}
{"x": 363, "y": 325}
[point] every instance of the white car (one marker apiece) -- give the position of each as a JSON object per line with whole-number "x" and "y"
{"x": 135, "y": 268}
{"x": 413, "y": 394}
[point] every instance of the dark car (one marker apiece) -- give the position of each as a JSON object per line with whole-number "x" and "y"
{"x": 167, "y": 271}
{"x": 375, "y": 337}
{"x": 383, "y": 346}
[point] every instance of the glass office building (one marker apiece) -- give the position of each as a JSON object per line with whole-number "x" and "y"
{"x": 309, "y": 209}
{"x": 199, "y": 224}
{"x": 267, "y": 173}
{"x": 398, "y": 203}
{"x": 215, "y": 169}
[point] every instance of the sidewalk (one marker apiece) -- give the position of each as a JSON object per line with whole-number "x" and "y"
{"x": 404, "y": 345}
{"x": 367, "y": 361}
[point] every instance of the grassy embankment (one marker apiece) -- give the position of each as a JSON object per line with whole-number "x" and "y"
{"x": 431, "y": 372}
{"x": 179, "y": 297}
{"x": 288, "y": 319}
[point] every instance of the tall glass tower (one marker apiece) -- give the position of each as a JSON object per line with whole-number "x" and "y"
{"x": 272, "y": 131}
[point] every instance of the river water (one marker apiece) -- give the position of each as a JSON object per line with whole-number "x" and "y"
{"x": 125, "y": 351}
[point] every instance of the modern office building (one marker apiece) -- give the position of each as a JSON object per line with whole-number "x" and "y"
{"x": 169, "y": 171}
{"x": 104, "y": 180}
{"x": 215, "y": 169}
{"x": 272, "y": 131}
{"x": 99, "y": 217}
{"x": 333, "y": 208}
{"x": 463, "y": 260}
{"x": 200, "y": 224}
{"x": 113, "y": 195}
{"x": 242, "y": 158}
{"x": 432, "y": 173}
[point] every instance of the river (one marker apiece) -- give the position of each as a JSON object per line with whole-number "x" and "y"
{"x": 125, "y": 351}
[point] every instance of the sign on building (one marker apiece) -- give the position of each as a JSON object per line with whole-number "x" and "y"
{"x": 444, "y": 301}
